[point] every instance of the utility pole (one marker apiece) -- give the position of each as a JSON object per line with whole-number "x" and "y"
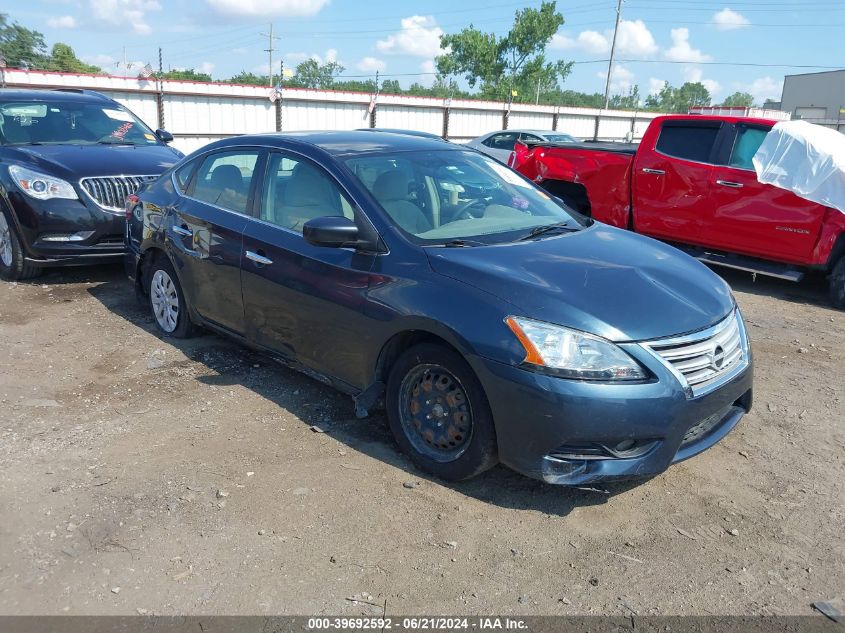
{"x": 612, "y": 53}
{"x": 538, "y": 92}
{"x": 269, "y": 50}
{"x": 160, "y": 92}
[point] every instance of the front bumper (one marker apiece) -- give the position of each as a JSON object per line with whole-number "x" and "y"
{"x": 561, "y": 430}
{"x": 40, "y": 222}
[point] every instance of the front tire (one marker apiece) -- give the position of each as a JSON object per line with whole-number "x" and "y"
{"x": 13, "y": 265}
{"x": 167, "y": 301}
{"x": 837, "y": 284}
{"x": 439, "y": 414}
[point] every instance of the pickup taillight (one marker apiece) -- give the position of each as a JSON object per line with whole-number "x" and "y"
{"x": 518, "y": 155}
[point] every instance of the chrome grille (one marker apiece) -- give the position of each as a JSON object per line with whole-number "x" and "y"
{"x": 703, "y": 359}
{"x": 110, "y": 192}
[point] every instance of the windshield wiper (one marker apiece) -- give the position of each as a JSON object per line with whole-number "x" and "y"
{"x": 537, "y": 231}
{"x": 461, "y": 243}
{"x": 104, "y": 142}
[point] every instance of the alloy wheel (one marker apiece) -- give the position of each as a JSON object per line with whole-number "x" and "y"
{"x": 5, "y": 241}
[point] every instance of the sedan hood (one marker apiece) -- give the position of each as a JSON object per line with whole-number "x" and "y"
{"x": 73, "y": 162}
{"x": 603, "y": 280}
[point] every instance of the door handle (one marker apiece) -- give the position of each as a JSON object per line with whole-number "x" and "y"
{"x": 656, "y": 172}
{"x": 729, "y": 183}
{"x": 181, "y": 230}
{"x": 258, "y": 259}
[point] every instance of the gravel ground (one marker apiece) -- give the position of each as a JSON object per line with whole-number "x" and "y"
{"x": 145, "y": 475}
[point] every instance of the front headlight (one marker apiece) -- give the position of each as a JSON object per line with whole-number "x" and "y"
{"x": 573, "y": 354}
{"x": 41, "y": 186}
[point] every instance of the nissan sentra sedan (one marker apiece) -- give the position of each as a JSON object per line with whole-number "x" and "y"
{"x": 493, "y": 323}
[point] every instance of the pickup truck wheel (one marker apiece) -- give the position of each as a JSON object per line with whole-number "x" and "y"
{"x": 13, "y": 266}
{"x": 837, "y": 284}
{"x": 439, "y": 414}
{"x": 167, "y": 302}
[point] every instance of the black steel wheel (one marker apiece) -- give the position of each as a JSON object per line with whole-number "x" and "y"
{"x": 837, "y": 284}
{"x": 439, "y": 413}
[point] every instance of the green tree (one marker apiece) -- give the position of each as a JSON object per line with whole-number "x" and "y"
{"x": 313, "y": 74}
{"x": 249, "y": 79}
{"x": 62, "y": 58}
{"x": 739, "y": 99}
{"x": 21, "y": 46}
{"x": 513, "y": 62}
{"x": 630, "y": 101}
{"x": 187, "y": 74}
{"x": 679, "y": 100}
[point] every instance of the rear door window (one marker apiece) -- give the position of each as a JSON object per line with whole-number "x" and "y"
{"x": 748, "y": 141}
{"x": 224, "y": 179}
{"x": 690, "y": 142}
{"x": 503, "y": 140}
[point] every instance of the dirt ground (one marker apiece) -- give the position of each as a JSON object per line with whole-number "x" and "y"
{"x": 145, "y": 475}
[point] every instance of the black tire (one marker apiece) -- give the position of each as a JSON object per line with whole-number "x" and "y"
{"x": 161, "y": 282}
{"x": 837, "y": 284}
{"x": 17, "y": 268}
{"x": 473, "y": 447}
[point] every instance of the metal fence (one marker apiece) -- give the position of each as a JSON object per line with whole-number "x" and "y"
{"x": 198, "y": 113}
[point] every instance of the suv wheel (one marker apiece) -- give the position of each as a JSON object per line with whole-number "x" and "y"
{"x": 439, "y": 414}
{"x": 167, "y": 302}
{"x": 13, "y": 266}
{"x": 837, "y": 284}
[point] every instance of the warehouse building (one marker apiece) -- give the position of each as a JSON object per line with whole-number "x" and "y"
{"x": 816, "y": 97}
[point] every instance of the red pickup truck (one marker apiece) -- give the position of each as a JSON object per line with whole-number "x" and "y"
{"x": 691, "y": 182}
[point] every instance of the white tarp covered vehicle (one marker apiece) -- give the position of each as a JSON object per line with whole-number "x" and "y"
{"x": 804, "y": 158}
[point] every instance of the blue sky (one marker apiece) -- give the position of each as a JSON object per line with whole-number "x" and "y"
{"x": 672, "y": 40}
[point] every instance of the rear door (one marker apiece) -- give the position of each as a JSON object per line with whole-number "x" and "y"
{"x": 305, "y": 302}
{"x": 206, "y": 232}
{"x": 754, "y": 218}
{"x": 672, "y": 180}
{"x": 500, "y": 145}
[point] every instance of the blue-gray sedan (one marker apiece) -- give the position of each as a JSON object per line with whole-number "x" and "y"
{"x": 493, "y": 323}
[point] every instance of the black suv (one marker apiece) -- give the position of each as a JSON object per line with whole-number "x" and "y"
{"x": 68, "y": 160}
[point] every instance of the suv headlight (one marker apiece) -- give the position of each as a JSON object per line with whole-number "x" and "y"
{"x": 41, "y": 186}
{"x": 573, "y": 354}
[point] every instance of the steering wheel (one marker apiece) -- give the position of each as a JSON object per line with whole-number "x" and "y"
{"x": 461, "y": 212}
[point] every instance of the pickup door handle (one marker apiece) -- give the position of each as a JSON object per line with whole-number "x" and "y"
{"x": 181, "y": 230}
{"x": 729, "y": 183}
{"x": 656, "y": 172}
{"x": 258, "y": 259}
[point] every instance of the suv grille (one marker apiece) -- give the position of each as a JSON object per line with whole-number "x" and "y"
{"x": 110, "y": 192}
{"x": 702, "y": 359}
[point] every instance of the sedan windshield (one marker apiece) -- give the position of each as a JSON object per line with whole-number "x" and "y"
{"x": 71, "y": 123}
{"x": 459, "y": 198}
{"x": 560, "y": 138}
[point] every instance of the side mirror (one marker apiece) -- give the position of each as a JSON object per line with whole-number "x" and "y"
{"x": 164, "y": 136}
{"x": 332, "y": 232}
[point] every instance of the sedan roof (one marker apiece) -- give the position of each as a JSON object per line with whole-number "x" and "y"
{"x": 339, "y": 143}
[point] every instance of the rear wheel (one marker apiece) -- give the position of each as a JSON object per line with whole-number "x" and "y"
{"x": 167, "y": 302}
{"x": 439, "y": 414}
{"x": 837, "y": 284}
{"x": 13, "y": 266}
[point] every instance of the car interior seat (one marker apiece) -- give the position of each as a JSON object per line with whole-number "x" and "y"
{"x": 391, "y": 190}
{"x": 308, "y": 194}
{"x": 226, "y": 188}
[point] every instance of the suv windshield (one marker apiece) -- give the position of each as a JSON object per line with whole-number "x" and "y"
{"x": 71, "y": 123}
{"x": 438, "y": 197}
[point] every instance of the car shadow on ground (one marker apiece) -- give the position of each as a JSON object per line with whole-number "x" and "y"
{"x": 318, "y": 405}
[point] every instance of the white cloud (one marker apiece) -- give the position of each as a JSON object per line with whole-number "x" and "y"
{"x": 764, "y": 88}
{"x": 419, "y": 36}
{"x": 295, "y": 58}
{"x": 123, "y": 12}
{"x": 633, "y": 38}
{"x": 694, "y": 74}
{"x": 113, "y": 66}
{"x": 205, "y": 67}
{"x": 326, "y": 58}
{"x": 63, "y": 22}
{"x": 429, "y": 68}
{"x": 681, "y": 50}
{"x": 655, "y": 85}
{"x": 728, "y": 20}
{"x": 371, "y": 65}
{"x": 267, "y": 8}
{"x": 621, "y": 81}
